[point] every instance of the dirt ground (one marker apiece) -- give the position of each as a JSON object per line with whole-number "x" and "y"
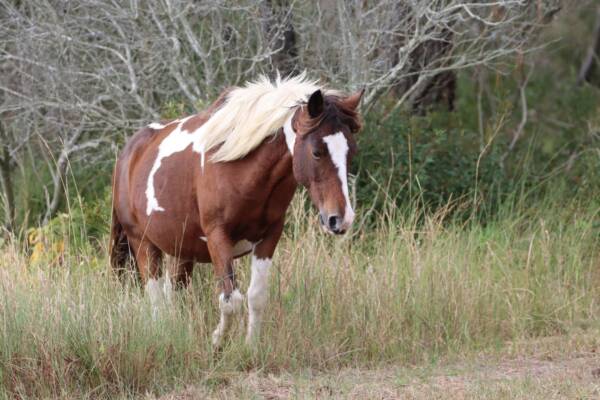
{"x": 565, "y": 367}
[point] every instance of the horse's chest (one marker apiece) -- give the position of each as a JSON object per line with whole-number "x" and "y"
{"x": 250, "y": 224}
{"x": 249, "y": 215}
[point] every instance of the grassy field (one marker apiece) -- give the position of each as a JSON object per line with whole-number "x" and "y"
{"x": 561, "y": 367}
{"x": 411, "y": 290}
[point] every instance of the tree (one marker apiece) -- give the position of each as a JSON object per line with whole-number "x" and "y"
{"x": 79, "y": 76}
{"x": 590, "y": 63}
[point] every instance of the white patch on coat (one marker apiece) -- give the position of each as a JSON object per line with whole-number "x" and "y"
{"x": 156, "y": 126}
{"x": 178, "y": 140}
{"x": 337, "y": 145}
{"x": 290, "y": 134}
{"x": 258, "y": 294}
{"x": 228, "y": 307}
{"x": 204, "y": 239}
{"x": 199, "y": 148}
{"x": 175, "y": 142}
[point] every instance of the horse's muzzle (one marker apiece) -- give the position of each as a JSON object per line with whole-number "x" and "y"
{"x": 332, "y": 223}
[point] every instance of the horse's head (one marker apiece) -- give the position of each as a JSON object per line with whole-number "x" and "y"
{"x": 324, "y": 146}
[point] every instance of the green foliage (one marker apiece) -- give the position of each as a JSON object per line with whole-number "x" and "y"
{"x": 177, "y": 108}
{"x": 410, "y": 157}
{"x": 173, "y": 109}
{"x": 445, "y": 156}
{"x": 81, "y": 230}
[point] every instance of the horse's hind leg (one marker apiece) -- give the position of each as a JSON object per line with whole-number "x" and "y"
{"x": 182, "y": 273}
{"x": 149, "y": 259}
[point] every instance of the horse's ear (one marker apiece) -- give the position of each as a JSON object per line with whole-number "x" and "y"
{"x": 315, "y": 104}
{"x": 353, "y": 100}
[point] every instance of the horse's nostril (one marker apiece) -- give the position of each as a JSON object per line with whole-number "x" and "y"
{"x": 333, "y": 221}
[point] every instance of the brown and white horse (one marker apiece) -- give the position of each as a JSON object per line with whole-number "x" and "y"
{"x": 215, "y": 186}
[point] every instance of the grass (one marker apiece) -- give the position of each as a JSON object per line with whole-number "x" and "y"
{"x": 410, "y": 290}
{"x": 562, "y": 367}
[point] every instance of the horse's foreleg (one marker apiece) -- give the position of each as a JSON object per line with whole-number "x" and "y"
{"x": 230, "y": 300}
{"x": 258, "y": 291}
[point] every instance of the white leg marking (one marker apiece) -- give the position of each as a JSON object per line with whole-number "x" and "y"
{"x": 258, "y": 294}
{"x": 338, "y": 148}
{"x": 158, "y": 291}
{"x": 228, "y": 307}
{"x": 153, "y": 290}
{"x": 290, "y": 135}
{"x": 167, "y": 287}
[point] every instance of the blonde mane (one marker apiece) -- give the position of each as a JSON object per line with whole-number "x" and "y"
{"x": 252, "y": 113}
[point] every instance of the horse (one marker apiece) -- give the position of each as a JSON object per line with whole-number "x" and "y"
{"x": 215, "y": 186}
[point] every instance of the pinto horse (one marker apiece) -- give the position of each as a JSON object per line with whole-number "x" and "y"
{"x": 215, "y": 186}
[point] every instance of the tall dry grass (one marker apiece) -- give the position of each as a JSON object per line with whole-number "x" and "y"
{"x": 410, "y": 288}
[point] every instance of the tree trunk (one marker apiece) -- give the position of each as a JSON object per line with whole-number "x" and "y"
{"x": 278, "y": 22}
{"x": 58, "y": 183}
{"x": 435, "y": 89}
{"x": 439, "y": 89}
{"x": 7, "y": 188}
{"x": 590, "y": 64}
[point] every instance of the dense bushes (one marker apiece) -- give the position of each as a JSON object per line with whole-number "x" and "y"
{"x": 441, "y": 157}
{"x": 432, "y": 159}
{"x": 408, "y": 157}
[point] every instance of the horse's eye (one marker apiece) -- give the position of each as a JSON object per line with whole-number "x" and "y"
{"x": 316, "y": 154}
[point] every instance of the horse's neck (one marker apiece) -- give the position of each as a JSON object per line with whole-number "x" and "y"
{"x": 279, "y": 157}
{"x": 274, "y": 160}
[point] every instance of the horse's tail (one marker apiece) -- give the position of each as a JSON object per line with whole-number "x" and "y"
{"x": 121, "y": 256}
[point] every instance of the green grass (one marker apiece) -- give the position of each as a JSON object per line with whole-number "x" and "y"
{"x": 411, "y": 289}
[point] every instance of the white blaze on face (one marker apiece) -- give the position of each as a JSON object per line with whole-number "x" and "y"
{"x": 337, "y": 145}
{"x": 178, "y": 140}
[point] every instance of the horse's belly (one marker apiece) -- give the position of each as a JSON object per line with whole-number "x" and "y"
{"x": 176, "y": 235}
{"x": 192, "y": 246}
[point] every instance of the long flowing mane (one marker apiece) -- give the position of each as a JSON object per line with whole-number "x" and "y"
{"x": 252, "y": 113}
